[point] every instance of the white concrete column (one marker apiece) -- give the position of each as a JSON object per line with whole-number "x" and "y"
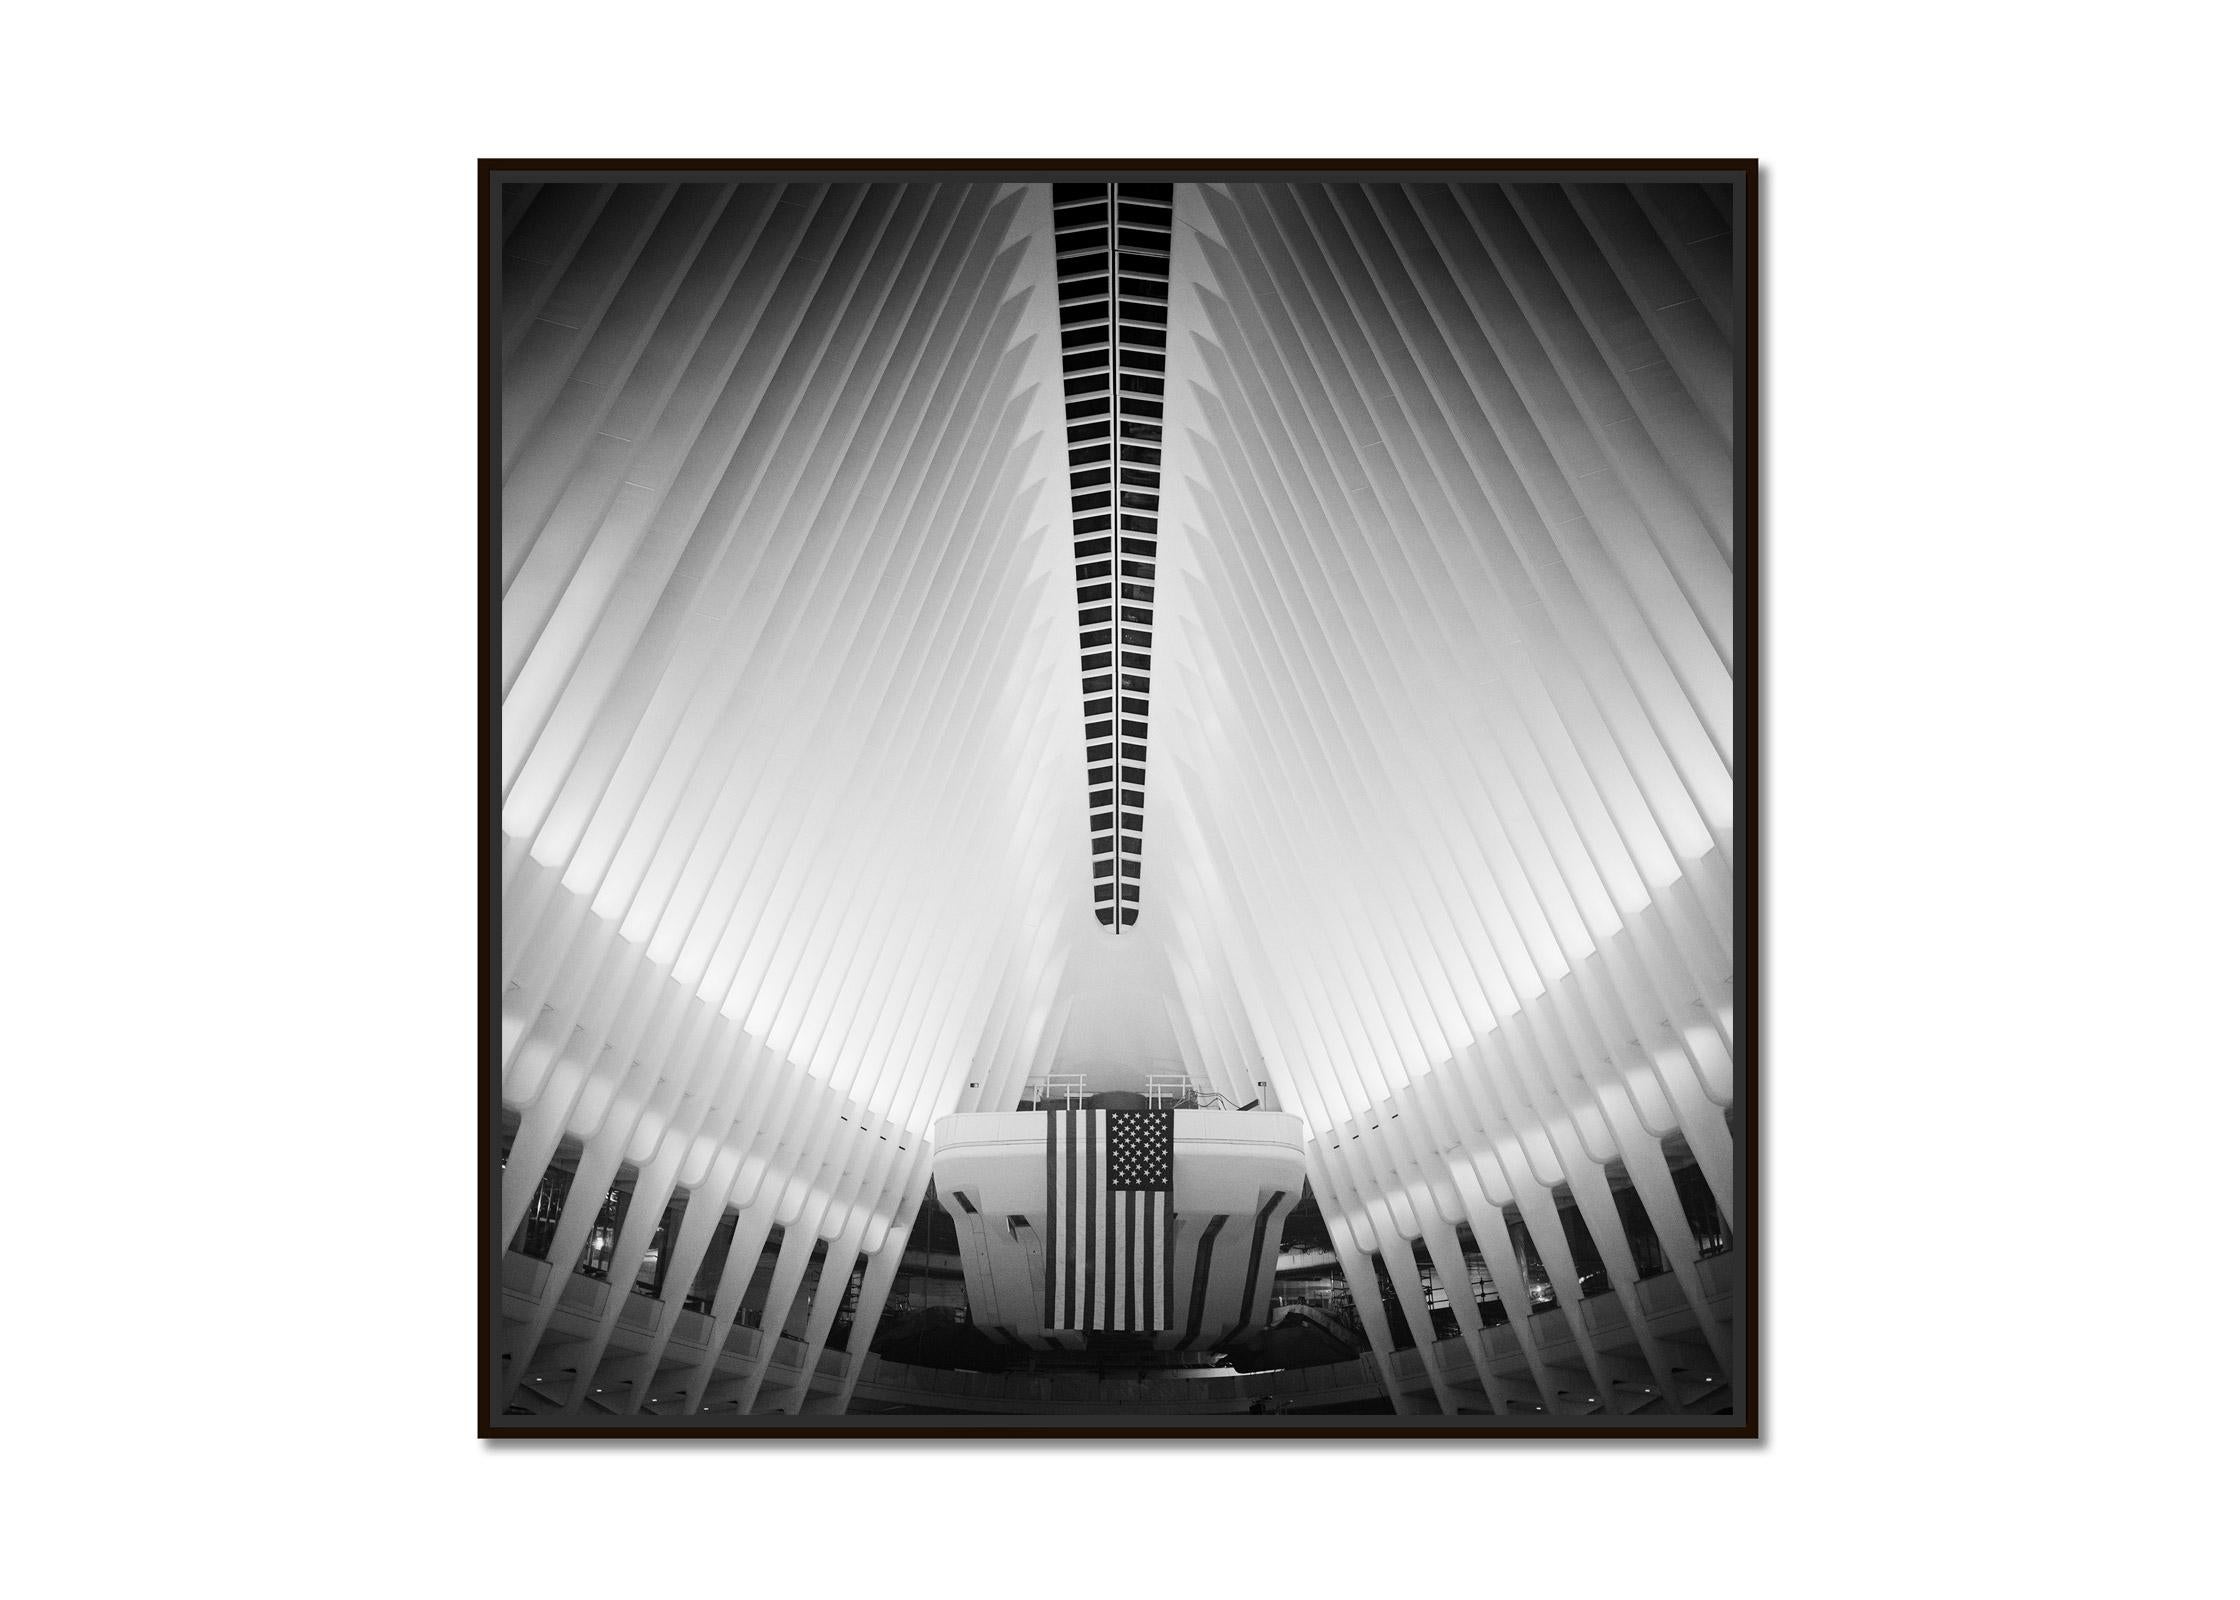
{"x": 1454, "y": 1276}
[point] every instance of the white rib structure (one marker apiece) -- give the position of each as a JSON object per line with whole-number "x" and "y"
{"x": 1438, "y": 840}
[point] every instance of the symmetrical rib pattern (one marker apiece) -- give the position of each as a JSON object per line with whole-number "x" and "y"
{"x": 797, "y": 545}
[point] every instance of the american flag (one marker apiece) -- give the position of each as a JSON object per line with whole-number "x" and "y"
{"x": 1111, "y": 1176}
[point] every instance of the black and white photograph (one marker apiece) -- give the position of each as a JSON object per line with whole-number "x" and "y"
{"x": 1118, "y": 799}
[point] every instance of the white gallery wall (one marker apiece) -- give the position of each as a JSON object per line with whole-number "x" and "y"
{"x": 1997, "y": 587}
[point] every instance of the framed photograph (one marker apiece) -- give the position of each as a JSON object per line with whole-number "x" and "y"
{"x": 1119, "y": 800}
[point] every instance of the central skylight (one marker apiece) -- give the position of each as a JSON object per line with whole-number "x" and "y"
{"x": 1114, "y": 243}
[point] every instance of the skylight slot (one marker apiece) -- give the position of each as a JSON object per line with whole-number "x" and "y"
{"x": 1114, "y": 246}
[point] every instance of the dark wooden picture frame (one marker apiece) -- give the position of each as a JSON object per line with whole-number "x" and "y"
{"x": 1489, "y": 1373}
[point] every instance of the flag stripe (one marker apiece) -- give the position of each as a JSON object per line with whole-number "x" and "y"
{"x": 1128, "y": 1301}
{"x": 1145, "y": 1262}
{"x": 1108, "y": 1280}
{"x": 1092, "y": 1177}
{"x": 1150, "y": 1264}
